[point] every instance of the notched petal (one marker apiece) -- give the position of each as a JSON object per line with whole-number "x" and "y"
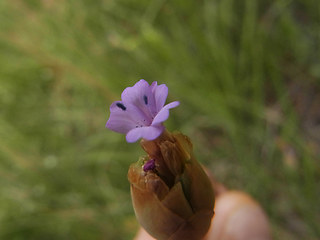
{"x": 134, "y": 94}
{"x": 120, "y": 119}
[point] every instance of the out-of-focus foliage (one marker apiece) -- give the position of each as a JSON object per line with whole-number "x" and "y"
{"x": 246, "y": 74}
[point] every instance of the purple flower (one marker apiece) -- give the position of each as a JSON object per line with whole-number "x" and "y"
{"x": 141, "y": 112}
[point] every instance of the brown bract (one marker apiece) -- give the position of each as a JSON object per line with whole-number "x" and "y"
{"x": 175, "y": 200}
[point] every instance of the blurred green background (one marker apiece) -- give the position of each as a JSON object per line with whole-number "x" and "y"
{"x": 247, "y": 76}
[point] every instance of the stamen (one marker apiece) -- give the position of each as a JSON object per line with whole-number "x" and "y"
{"x": 120, "y": 105}
{"x": 145, "y": 98}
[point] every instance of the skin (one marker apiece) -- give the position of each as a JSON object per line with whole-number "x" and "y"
{"x": 237, "y": 217}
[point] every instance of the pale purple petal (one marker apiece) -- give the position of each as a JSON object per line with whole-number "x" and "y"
{"x": 120, "y": 119}
{"x": 141, "y": 112}
{"x": 163, "y": 114}
{"x": 148, "y": 133}
{"x": 142, "y": 97}
{"x": 125, "y": 117}
{"x": 160, "y": 95}
{"x": 154, "y": 85}
{"x": 138, "y": 116}
{"x": 134, "y": 94}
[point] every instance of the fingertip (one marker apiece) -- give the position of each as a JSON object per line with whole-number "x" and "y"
{"x": 143, "y": 235}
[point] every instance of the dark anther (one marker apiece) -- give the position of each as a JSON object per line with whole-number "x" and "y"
{"x": 120, "y": 105}
{"x": 145, "y": 98}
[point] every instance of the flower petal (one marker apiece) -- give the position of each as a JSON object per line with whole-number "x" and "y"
{"x": 149, "y": 133}
{"x": 120, "y": 119}
{"x": 142, "y": 97}
{"x": 141, "y": 112}
{"x": 133, "y": 94}
{"x": 163, "y": 114}
{"x": 160, "y": 94}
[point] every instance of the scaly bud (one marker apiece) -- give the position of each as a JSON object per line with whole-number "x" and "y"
{"x": 172, "y": 195}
